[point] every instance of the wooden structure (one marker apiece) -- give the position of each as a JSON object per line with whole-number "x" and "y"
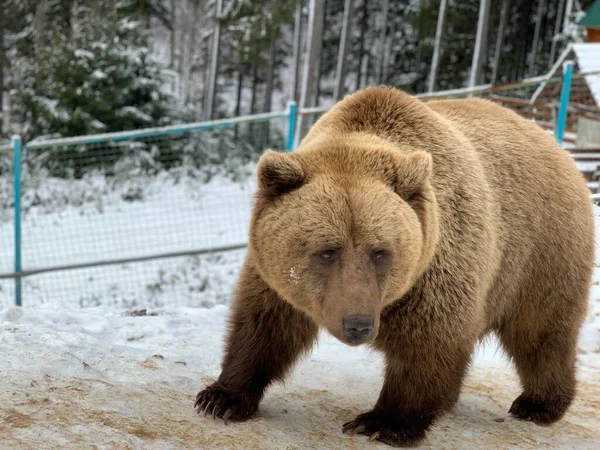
{"x": 591, "y": 21}
{"x": 586, "y": 55}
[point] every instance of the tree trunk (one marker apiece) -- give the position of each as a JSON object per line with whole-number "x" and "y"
{"x": 255, "y": 80}
{"x": 238, "y": 98}
{"x": 183, "y": 37}
{"x": 173, "y": 37}
{"x": 2, "y": 28}
{"x": 73, "y": 18}
{"x": 97, "y": 19}
{"x": 536, "y": 36}
{"x": 436, "y": 46}
{"x": 480, "y": 42}
{"x": 367, "y": 66}
{"x": 523, "y": 25}
{"x": 499, "y": 40}
{"x": 296, "y": 50}
{"x": 40, "y": 20}
{"x": 387, "y": 53}
{"x": 381, "y": 44}
{"x": 214, "y": 62}
{"x": 269, "y": 90}
{"x": 363, "y": 29}
{"x": 240, "y": 89}
{"x": 310, "y": 77}
{"x": 340, "y": 75}
{"x": 319, "y": 74}
{"x": 370, "y": 63}
{"x": 194, "y": 17}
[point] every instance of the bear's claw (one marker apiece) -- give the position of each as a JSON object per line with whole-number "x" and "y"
{"x": 213, "y": 404}
{"x": 386, "y": 428}
{"x": 225, "y": 404}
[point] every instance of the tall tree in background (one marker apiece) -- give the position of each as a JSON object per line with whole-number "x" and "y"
{"x": 311, "y": 76}
{"x": 2, "y": 65}
{"x": 214, "y": 62}
{"x": 340, "y": 75}
{"x": 387, "y": 49}
{"x": 436, "y": 46}
{"x": 536, "y": 36}
{"x": 385, "y": 9}
{"x": 364, "y": 24}
{"x": 296, "y": 49}
{"x": 480, "y": 43}
{"x": 499, "y": 41}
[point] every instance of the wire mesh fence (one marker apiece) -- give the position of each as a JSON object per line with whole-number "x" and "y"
{"x": 7, "y": 243}
{"x": 139, "y": 222}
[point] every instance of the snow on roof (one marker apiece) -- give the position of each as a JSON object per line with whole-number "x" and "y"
{"x": 587, "y": 57}
{"x": 588, "y": 60}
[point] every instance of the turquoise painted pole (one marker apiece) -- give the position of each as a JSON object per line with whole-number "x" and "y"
{"x": 17, "y": 145}
{"x": 293, "y": 113}
{"x": 561, "y": 121}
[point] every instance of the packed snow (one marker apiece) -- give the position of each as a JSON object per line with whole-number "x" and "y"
{"x": 114, "y": 376}
{"x": 102, "y": 378}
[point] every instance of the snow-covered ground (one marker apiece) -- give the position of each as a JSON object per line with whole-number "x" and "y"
{"x": 107, "y": 379}
{"x": 80, "y": 221}
{"x": 102, "y": 377}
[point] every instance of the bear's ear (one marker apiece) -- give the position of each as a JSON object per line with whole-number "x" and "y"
{"x": 278, "y": 173}
{"x": 413, "y": 175}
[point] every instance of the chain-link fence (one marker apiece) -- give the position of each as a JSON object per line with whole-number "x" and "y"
{"x": 7, "y": 216}
{"x": 142, "y": 219}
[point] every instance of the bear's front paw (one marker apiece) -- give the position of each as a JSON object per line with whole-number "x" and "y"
{"x": 539, "y": 411}
{"x": 389, "y": 428}
{"x": 226, "y": 404}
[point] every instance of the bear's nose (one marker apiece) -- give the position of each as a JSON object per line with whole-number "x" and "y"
{"x": 357, "y": 326}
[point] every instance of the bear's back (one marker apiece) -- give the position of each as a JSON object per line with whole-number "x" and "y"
{"x": 535, "y": 182}
{"x": 545, "y": 221}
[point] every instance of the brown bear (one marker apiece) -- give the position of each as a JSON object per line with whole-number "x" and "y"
{"x": 416, "y": 228}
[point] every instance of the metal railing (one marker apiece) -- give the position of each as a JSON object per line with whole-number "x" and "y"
{"x": 92, "y": 144}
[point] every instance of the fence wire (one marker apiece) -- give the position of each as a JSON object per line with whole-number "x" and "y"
{"x": 130, "y": 204}
{"x": 7, "y": 242}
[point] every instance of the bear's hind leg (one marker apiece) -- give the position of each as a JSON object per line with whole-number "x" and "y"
{"x": 266, "y": 336}
{"x": 543, "y": 347}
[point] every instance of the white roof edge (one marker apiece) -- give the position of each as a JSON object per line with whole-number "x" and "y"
{"x": 588, "y": 59}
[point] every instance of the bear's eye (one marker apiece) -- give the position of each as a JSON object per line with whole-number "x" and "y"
{"x": 329, "y": 255}
{"x": 379, "y": 255}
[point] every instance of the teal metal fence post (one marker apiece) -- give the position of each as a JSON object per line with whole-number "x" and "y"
{"x": 293, "y": 113}
{"x": 17, "y": 146}
{"x": 561, "y": 121}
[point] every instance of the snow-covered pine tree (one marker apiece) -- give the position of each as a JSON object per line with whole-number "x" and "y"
{"x": 93, "y": 85}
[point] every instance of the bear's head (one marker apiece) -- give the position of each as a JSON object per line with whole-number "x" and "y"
{"x": 342, "y": 228}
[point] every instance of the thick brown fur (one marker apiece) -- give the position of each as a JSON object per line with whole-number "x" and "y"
{"x": 440, "y": 221}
